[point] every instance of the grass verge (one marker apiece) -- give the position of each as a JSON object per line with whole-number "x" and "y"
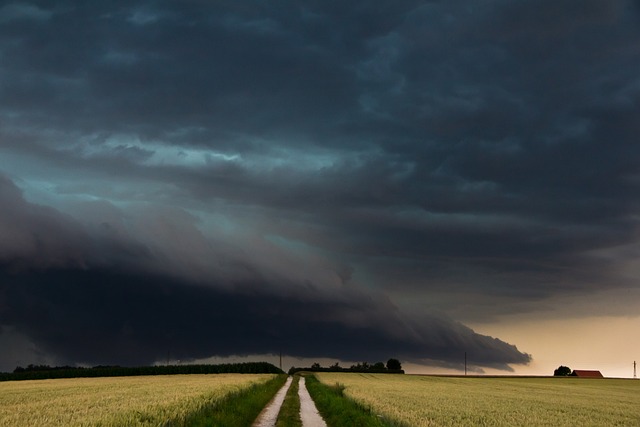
{"x": 340, "y": 411}
{"x": 238, "y": 409}
{"x": 289, "y": 415}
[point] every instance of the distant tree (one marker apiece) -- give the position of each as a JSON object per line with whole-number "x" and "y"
{"x": 378, "y": 367}
{"x": 360, "y": 367}
{"x": 315, "y": 366}
{"x": 394, "y": 364}
{"x": 562, "y": 371}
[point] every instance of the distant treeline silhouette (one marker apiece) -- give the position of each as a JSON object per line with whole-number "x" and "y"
{"x": 41, "y": 372}
{"x": 393, "y": 366}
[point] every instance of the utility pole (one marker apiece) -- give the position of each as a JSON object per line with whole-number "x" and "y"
{"x": 634, "y": 370}
{"x": 465, "y": 363}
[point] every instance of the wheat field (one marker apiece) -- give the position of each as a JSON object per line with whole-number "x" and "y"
{"x": 115, "y": 401}
{"x": 507, "y": 401}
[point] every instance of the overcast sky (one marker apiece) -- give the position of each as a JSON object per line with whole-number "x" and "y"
{"x": 347, "y": 180}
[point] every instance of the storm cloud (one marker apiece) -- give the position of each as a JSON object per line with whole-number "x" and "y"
{"x": 370, "y": 174}
{"x": 70, "y": 292}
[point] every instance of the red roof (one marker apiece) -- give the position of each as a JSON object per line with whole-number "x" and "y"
{"x": 587, "y": 374}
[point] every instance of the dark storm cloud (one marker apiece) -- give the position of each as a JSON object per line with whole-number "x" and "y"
{"x": 98, "y": 317}
{"x": 77, "y": 305}
{"x": 38, "y": 234}
{"x": 477, "y": 158}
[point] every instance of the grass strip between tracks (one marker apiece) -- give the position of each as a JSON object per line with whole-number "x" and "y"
{"x": 339, "y": 410}
{"x": 289, "y": 415}
{"x": 238, "y": 409}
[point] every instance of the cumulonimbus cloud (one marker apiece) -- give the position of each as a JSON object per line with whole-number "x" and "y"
{"x": 367, "y": 160}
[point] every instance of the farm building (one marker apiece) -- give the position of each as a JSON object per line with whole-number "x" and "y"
{"x": 586, "y": 374}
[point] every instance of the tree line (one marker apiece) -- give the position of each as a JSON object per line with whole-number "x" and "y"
{"x": 41, "y": 372}
{"x": 393, "y": 366}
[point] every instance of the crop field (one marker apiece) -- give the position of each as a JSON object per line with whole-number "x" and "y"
{"x": 508, "y": 401}
{"x": 115, "y": 401}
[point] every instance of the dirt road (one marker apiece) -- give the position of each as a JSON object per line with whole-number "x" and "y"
{"x": 308, "y": 412}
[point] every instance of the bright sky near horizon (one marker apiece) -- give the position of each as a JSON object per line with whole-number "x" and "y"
{"x": 345, "y": 181}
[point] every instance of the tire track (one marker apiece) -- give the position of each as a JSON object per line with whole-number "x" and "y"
{"x": 269, "y": 414}
{"x": 308, "y": 412}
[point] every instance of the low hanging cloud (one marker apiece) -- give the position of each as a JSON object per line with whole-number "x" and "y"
{"x": 71, "y": 294}
{"x": 97, "y": 318}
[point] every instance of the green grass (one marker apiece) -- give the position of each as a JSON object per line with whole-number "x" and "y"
{"x": 341, "y": 411}
{"x": 239, "y": 409}
{"x": 289, "y": 415}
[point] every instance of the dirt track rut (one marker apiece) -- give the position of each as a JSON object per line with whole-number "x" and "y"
{"x": 308, "y": 412}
